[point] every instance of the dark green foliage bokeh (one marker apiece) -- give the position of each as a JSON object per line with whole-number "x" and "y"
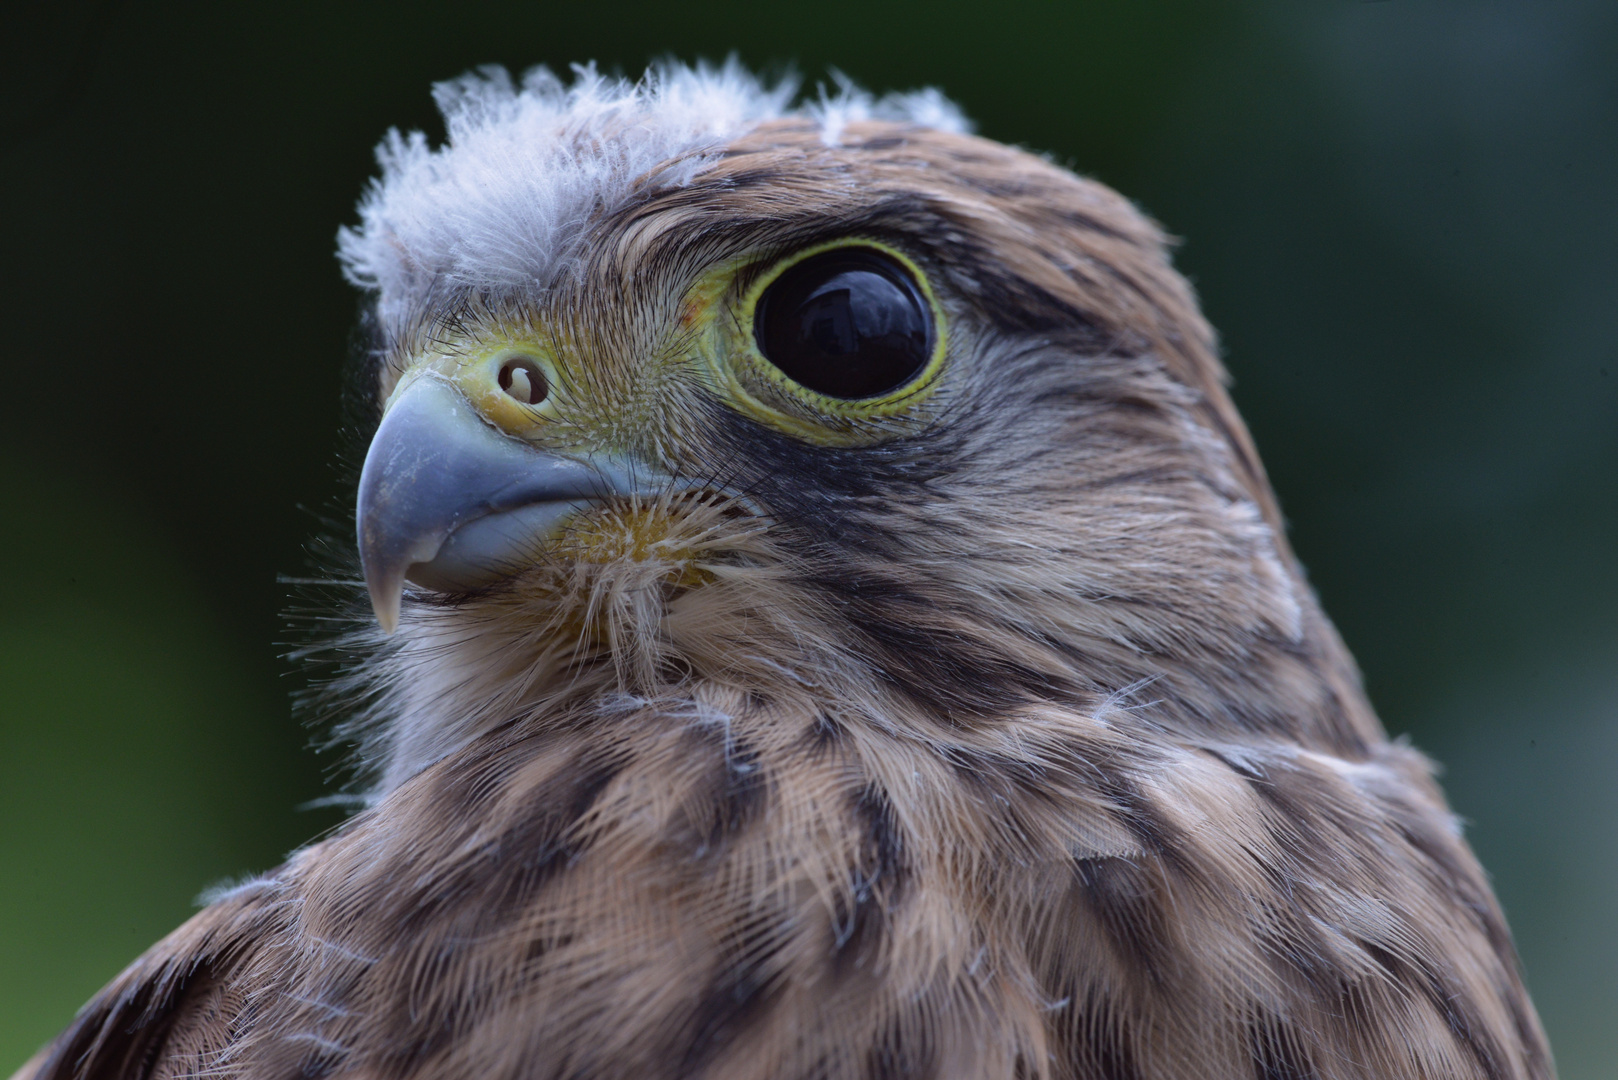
{"x": 1401, "y": 215}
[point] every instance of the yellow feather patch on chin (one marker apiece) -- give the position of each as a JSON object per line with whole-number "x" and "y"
{"x": 660, "y": 533}
{"x": 604, "y": 608}
{"x": 605, "y": 583}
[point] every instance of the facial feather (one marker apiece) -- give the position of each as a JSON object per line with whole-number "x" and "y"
{"x": 1072, "y": 494}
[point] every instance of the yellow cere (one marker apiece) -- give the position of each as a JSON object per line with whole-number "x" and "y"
{"x": 476, "y": 373}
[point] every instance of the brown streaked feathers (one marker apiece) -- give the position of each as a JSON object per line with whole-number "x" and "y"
{"x": 1013, "y": 746}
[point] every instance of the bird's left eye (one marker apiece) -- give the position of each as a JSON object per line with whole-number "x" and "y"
{"x": 850, "y": 323}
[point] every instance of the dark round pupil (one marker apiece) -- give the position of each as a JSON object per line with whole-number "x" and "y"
{"x": 849, "y": 323}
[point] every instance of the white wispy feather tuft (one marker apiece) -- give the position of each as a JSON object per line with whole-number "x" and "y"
{"x": 927, "y": 108}
{"x": 499, "y": 206}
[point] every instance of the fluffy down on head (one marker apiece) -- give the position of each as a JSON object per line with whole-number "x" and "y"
{"x": 500, "y": 205}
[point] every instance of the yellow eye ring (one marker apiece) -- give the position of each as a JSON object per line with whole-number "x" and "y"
{"x": 762, "y": 388}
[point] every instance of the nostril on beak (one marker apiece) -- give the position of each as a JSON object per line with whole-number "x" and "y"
{"x": 521, "y": 378}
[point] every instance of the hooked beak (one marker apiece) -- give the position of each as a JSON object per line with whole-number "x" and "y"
{"x": 449, "y": 502}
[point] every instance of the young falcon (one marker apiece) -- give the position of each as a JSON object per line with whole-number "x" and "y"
{"x": 833, "y": 624}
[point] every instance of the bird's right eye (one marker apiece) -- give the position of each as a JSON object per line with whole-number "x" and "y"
{"x": 850, "y": 323}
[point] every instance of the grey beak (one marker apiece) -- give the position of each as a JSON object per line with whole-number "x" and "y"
{"x": 451, "y": 503}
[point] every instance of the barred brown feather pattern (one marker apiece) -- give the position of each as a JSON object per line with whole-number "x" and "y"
{"x": 708, "y": 887}
{"x": 1012, "y": 745}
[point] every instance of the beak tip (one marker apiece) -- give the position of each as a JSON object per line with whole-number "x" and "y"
{"x": 387, "y": 592}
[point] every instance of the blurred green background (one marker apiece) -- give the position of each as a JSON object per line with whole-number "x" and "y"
{"x": 1402, "y": 216}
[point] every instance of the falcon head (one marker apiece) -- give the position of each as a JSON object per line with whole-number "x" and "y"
{"x": 846, "y": 403}
{"x": 831, "y": 623}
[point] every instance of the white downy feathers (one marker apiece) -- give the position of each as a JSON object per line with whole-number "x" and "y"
{"x": 497, "y": 208}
